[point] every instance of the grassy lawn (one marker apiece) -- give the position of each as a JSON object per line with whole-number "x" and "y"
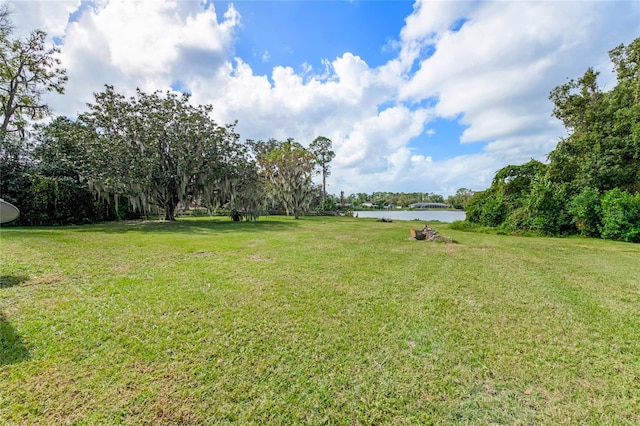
{"x": 316, "y": 321}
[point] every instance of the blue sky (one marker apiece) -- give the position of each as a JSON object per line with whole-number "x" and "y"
{"x": 294, "y": 32}
{"x": 416, "y": 96}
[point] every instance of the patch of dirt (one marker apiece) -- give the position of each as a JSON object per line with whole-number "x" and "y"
{"x": 121, "y": 269}
{"x": 257, "y": 258}
{"x": 203, "y": 253}
{"x": 45, "y": 279}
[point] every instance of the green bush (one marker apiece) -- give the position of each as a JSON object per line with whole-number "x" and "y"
{"x": 585, "y": 212}
{"x": 547, "y": 206}
{"x": 50, "y": 196}
{"x": 621, "y": 216}
{"x": 494, "y": 211}
{"x": 329, "y": 205}
{"x": 486, "y": 208}
{"x": 518, "y": 220}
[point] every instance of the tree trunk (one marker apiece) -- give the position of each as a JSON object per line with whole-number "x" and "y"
{"x": 170, "y": 210}
{"x": 169, "y": 215}
{"x": 324, "y": 188}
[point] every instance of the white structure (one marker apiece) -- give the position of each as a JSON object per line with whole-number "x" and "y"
{"x": 8, "y": 211}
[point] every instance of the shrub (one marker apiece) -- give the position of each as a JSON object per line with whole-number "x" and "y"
{"x": 547, "y": 206}
{"x": 494, "y": 211}
{"x": 487, "y": 208}
{"x": 620, "y": 216}
{"x": 585, "y": 212}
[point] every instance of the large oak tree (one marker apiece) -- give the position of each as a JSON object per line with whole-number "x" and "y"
{"x": 158, "y": 149}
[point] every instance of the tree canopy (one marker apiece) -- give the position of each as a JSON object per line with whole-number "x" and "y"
{"x": 321, "y": 148}
{"x": 287, "y": 172}
{"x": 29, "y": 68}
{"x": 591, "y": 182}
{"x": 157, "y": 149}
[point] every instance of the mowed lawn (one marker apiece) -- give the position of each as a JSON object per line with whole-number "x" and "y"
{"x": 318, "y": 321}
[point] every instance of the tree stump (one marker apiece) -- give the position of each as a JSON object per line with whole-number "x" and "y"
{"x": 425, "y": 233}
{"x": 418, "y": 234}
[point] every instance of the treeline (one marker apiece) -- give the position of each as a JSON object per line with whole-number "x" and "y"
{"x": 147, "y": 154}
{"x": 403, "y": 199}
{"x": 591, "y": 182}
{"x": 126, "y": 157}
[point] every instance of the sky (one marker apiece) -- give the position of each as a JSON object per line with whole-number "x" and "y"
{"x": 415, "y": 96}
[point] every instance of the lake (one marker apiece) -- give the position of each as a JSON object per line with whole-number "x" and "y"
{"x": 424, "y": 215}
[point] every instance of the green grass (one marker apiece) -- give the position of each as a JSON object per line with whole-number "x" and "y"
{"x": 324, "y": 320}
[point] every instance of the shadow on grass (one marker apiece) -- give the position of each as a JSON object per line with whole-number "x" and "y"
{"x": 7, "y": 281}
{"x": 189, "y": 226}
{"x": 12, "y": 349}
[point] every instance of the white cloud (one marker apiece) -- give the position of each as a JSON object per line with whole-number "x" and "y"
{"x": 145, "y": 44}
{"x": 50, "y": 16}
{"x": 426, "y": 25}
{"x": 497, "y": 70}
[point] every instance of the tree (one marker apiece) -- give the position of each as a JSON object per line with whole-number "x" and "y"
{"x": 157, "y": 149}
{"x": 321, "y": 148}
{"x": 261, "y": 148}
{"x": 247, "y": 196}
{"x": 460, "y": 199}
{"x": 592, "y": 179}
{"x": 28, "y": 69}
{"x": 602, "y": 150}
{"x": 6, "y": 27}
{"x": 287, "y": 172}
{"x": 59, "y": 196}
{"x": 48, "y": 188}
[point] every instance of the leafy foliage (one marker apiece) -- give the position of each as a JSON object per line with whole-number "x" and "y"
{"x": 28, "y": 69}
{"x": 592, "y": 178}
{"x": 585, "y": 211}
{"x": 287, "y": 173}
{"x": 39, "y": 181}
{"x": 621, "y": 216}
{"x": 156, "y": 149}
{"x": 321, "y": 148}
{"x": 48, "y": 188}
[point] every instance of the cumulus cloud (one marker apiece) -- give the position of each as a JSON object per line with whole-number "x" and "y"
{"x": 145, "y": 44}
{"x": 495, "y": 71}
{"x": 48, "y": 16}
{"x": 490, "y": 65}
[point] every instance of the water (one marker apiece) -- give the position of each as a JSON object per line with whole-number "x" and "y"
{"x": 447, "y": 216}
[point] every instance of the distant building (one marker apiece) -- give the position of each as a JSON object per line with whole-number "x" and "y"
{"x": 429, "y": 206}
